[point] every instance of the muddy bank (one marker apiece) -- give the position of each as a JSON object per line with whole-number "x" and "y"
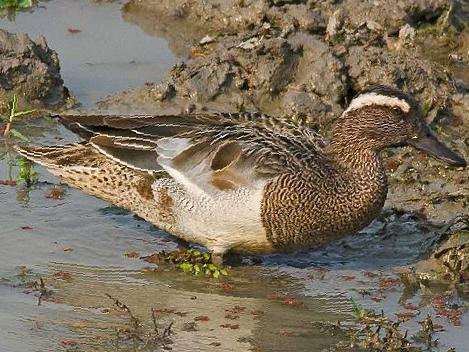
{"x": 31, "y": 70}
{"x": 349, "y": 46}
{"x": 253, "y": 71}
{"x": 186, "y": 22}
{"x": 449, "y": 260}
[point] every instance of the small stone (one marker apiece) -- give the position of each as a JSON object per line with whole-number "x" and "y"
{"x": 406, "y": 34}
{"x": 373, "y": 26}
{"x": 207, "y": 40}
{"x": 250, "y": 43}
{"x": 334, "y": 25}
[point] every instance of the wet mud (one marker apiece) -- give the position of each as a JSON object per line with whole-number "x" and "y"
{"x": 29, "y": 69}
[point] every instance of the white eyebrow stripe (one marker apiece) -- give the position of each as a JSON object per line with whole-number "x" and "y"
{"x": 377, "y": 99}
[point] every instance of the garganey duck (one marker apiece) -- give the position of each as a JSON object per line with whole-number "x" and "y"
{"x": 244, "y": 182}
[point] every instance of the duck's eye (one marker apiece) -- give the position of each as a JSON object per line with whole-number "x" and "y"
{"x": 397, "y": 109}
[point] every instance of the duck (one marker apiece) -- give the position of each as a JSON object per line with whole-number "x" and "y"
{"x": 244, "y": 182}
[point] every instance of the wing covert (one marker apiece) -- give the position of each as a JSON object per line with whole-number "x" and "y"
{"x": 204, "y": 152}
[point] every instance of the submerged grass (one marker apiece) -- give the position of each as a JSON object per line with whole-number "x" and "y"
{"x": 377, "y": 332}
{"x": 27, "y": 173}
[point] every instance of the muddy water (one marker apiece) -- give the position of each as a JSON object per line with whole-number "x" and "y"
{"x": 78, "y": 244}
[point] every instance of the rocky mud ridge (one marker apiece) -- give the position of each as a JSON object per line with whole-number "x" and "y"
{"x": 29, "y": 69}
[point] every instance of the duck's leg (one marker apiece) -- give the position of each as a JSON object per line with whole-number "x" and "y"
{"x": 218, "y": 254}
{"x": 217, "y": 258}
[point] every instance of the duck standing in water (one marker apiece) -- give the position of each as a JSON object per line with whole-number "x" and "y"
{"x": 247, "y": 182}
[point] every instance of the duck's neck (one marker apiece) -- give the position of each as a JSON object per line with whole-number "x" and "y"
{"x": 363, "y": 179}
{"x": 354, "y": 157}
{"x": 359, "y": 160}
{"x": 353, "y": 148}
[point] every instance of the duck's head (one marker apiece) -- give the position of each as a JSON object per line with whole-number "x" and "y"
{"x": 382, "y": 116}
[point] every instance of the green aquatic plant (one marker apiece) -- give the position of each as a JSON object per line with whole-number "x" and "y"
{"x": 14, "y": 113}
{"x": 16, "y": 4}
{"x": 27, "y": 173}
{"x": 198, "y": 263}
{"x": 9, "y": 8}
{"x": 359, "y": 311}
{"x": 190, "y": 261}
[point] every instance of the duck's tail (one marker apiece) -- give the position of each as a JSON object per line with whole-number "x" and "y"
{"x": 81, "y": 166}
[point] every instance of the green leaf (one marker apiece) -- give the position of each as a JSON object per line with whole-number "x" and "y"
{"x": 21, "y": 113}
{"x": 197, "y": 269}
{"x": 27, "y": 173}
{"x": 206, "y": 257}
{"x": 23, "y": 4}
{"x": 356, "y": 307}
{"x": 223, "y": 272}
{"x": 359, "y": 311}
{"x": 18, "y": 135}
{"x": 7, "y": 3}
{"x": 13, "y": 107}
{"x": 16, "y": 4}
{"x": 186, "y": 267}
{"x": 216, "y": 274}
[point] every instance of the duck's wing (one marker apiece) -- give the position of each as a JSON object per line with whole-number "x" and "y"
{"x": 203, "y": 152}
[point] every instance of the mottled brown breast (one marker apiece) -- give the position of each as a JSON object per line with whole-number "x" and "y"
{"x": 301, "y": 210}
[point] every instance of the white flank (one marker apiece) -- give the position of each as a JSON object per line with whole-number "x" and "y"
{"x": 220, "y": 221}
{"x": 377, "y": 99}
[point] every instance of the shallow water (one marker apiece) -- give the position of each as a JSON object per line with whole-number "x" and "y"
{"x": 78, "y": 244}
{"x": 107, "y": 55}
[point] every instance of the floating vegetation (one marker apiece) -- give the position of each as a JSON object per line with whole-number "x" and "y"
{"x": 190, "y": 261}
